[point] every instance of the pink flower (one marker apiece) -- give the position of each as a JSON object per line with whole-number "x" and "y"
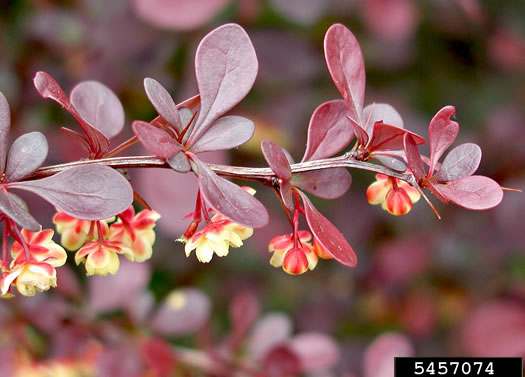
{"x": 101, "y": 256}
{"x": 135, "y": 232}
{"x": 76, "y": 232}
{"x": 294, "y": 259}
{"x": 29, "y": 277}
{"x": 41, "y": 248}
{"x": 395, "y": 196}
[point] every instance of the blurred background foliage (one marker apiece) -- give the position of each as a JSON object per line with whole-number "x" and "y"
{"x": 445, "y": 284}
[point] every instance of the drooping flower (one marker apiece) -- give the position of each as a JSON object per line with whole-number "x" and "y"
{"x": 41, "y": 248}
{"x": 395, "y": 196}
{"x": 76, "y": 232}
{"x": 101, "y": 256}
{"x": 29, "y": 277}
{"x": 135, "y": 232}
{"x": 216, "y": 237}
{"x": 293, "y": 258}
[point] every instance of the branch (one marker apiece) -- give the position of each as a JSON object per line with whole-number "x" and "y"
{"x": 238, "y": 172}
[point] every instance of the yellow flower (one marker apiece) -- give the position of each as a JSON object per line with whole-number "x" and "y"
{"x": 41, "y": 248}
{"x": 216, "y": 237}
{"x": 293, "y": 260}
{"x": 101, "y": 256}
{"x": 135, "y": 232}
{"x": 395, "y": 196}
{"x": 29, "y": 277}
{"x": 76, "y": 232}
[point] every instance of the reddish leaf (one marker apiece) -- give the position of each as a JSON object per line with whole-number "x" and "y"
{"x": 379, "y": 356}
{"x": 226, "y": 133}
{"x": 276, "y": 159}
{"x": 475, "y": 192}
{"x": 163, "y": 103}
{"x": 270, "y": 330}
{"x": 391, "y": 162}
{"x": 27, "y": 153}
{"x": 226, "y": 67}
{"x": 183, "y": 311}
{"x": 244, "y": 310}
{"x": 414, "y": 161}
{"x": 12, "y": 208}
{"x": 345, "y": 64}
{"x": 89, "y": 192}
{"x": 386, "y": 137}
{"x": 360, "y": 133}
{"x": 460, "y": 162}
{"x": 98, "y": 106}
{"x": 77, "y": 138}
{"x": 381, "y": 112}
{"x": 442, "y": 132}
{"x": 5, "y": 124}
{"x": 155, "y": 140}
{"x": 230, "y": 200}
{"x": 159, "y": 356}
{"x": 328, "y": 131}
{"x": 179, "y": 162}
{"x": 328, "y": 235}
{"x": 326, "y": 183}
{"x": 47, "y": 87}
{"x": 316, "y": 351}
{"x": 287, "y": 194}
{"x": 281, "y": 361}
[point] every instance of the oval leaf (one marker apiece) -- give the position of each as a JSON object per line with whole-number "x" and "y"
{"x": 270, "y": 330}
{"x": 316, "y": 351}
{"x": 226, "y": 133}
{"x": 88, "y": 192}
{"x": 381, "y": 112}
{"x": 328, "y": 131}
{"x": 277, "y": 160}
{"x": 414, "y": 161}
{"x": 461, "y": 162}
{"x": 386, "y": 138}
{"x": 27, "y": 153}
{"x": 12, "y": 209}
{"x": 475, "y": 192}
{"x": 345, "y": 64}
{"x": 5, "y": 125}
{"x": 47, "y": 87}
{"x": 155, "y": 140}
{"x": 328, "y": 235}
{"x": 442, "y": 132}
{"x": 379, "y": 356}
{"x": 225, "y": 67}
{"x": 98, "y": 106}
{"x": 179, "y": 163}
{"x": 326, "y": 183}
{"x": 391, "y": 162}
{"x": 230, "y": 200}
{"x": 163, "y": 103}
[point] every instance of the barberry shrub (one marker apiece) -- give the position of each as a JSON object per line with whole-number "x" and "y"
{"x": 95, "y": 215}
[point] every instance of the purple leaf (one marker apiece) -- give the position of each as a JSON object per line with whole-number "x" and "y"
{"x": 381, "y": 112}
{"x": 76, "y": 137}
{"x": 27, "y": 153}
{"x": 326, "y": 183}
{"x": 345, "y": 64}
{"x": 328, "y": 235}
{"x": 179, "y": 163}
{"x": 360, "y": 133}
{"x": 281, "y": 361}
{"x": 316, "y": 351}
{"x": 98, "y": 106}
{"x": 441, "y": 134}
{"x": 156, "y": 140}
{"x": 163, "y": 103}
{"x": 88, "y": 192}
{"x": 328, "y": 131}
{"x": 270, "y": 330}
{"x": 47, "y": 87}
{"x": 12, "y": 208}
{"x": 387, "y": 137}
{"x": 226, "y": 67}
{"x": 379, "y": 356}
{"x": 391, "y": 162}
{"x": 287, "y": 194}
{"x": 460, "y": 162}
{"x": 182, "y": 312}
{"x": 5, "y": 124}
{"x": 475, "y": 192}
{"x": 230, "y": 200}
{"x": 414, "y": 161}
{"x": 276, "y": 159}
{"x": 226, "y": 133}
{"x": 244, "y": 310}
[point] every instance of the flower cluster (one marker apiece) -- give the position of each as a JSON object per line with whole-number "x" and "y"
{"x": 395, "y": 196}
{"x": 99, "y": 243}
